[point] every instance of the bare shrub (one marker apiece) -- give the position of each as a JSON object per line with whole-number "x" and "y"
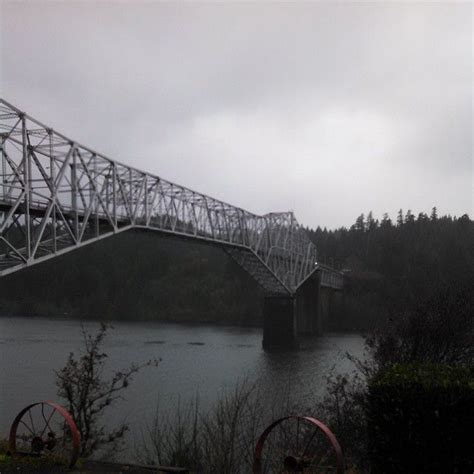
{"x": 343, "y": 410}
{"x": 87, "y": 392}
{"x": 219, "y": 440}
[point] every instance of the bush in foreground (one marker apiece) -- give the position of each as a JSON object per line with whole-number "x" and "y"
{"x": 413, "y": 393}
{"x": 420, "y": 418}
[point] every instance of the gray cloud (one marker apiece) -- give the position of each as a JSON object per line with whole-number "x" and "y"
{"x": 326, "y": 109}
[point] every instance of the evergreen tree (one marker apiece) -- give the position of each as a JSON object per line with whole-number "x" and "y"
{"x": 371, "y": 223}
{"x": 409, "y": 218}
{"x": 360, "y": 223}
{"x": 386, "y": 221}
{"x": 400, "y": 218}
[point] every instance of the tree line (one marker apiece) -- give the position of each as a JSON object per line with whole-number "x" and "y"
{"x": 391, "y": 266}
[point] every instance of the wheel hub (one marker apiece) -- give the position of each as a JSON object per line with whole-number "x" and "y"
{"x": 295, "y": 464}
{"x": 37, "y": 444}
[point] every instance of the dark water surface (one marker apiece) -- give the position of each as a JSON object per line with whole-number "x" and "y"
{"x": 196, "y": 359}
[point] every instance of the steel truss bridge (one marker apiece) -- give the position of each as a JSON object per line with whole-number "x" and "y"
{"x": 57, "y": 195}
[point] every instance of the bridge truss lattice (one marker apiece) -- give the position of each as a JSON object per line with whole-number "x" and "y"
{"x": 57, "y": 195}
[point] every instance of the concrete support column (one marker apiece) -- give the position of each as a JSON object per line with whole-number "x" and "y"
{"x": 324, "y": 305}
{"x": 279, "y": 322}
{"x": 308, "y": 307}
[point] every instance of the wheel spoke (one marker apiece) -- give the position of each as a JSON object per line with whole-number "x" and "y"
{"x": 32, "y": 423}
{"x": 275, "y": 454}
{"x": 47, "y": 421}
{"x": 309, "y": 443}
{"x": 297, "y": 434}
{"x": 27, "y": 427}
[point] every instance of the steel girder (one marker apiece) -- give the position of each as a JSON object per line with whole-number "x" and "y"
{"x": 57, "y": 195}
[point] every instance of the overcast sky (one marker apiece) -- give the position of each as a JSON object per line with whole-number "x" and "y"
{"x": 326, "y": 109}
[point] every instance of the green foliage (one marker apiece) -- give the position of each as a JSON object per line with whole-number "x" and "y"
{"x": 419, "y": 419}
{"x": 3, "y": 445}
{"x": 44, "y": 464}
{"x": 425, "y": 376}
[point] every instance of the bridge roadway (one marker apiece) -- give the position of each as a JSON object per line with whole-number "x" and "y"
{"x": 57, "y": 195}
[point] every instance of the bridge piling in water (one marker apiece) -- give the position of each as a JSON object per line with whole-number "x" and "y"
{"x": 279, "y": 322}
{"x": 308, "y": 307}
{"x": 303, "y": 314}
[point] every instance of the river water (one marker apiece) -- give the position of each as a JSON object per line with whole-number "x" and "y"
{"x": 196, "y": 360}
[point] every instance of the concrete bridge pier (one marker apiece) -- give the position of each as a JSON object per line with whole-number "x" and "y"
{"x": 309, "y": 307}
{"x": 287, "y": 317}
{"x": 279, "y": 322}
{"x": 303, "y": 314}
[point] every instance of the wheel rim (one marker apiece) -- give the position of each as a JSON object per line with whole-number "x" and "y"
{"x": 45, "y": 429}
{"x": 297, "y": 444}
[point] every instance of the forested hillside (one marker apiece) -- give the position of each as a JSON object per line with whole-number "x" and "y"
{"x": 393, "y": 266}
{"x": 136, "y": 275}
{"x": 390, "y": 267}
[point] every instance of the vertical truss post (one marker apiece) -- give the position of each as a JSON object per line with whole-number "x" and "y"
{"x": 74, "y": 209}
{"x": 4, "y": 166}
{"x": 95, "y": 187}
{"x": 27, "y": 185}
{"x": 107, "y": 191}
{"x": 146, "y": 198}
{"x": 114, "y": 194}
{"x": 91, "y": 178}
{"x": 209, "y": 217}
{"x": 130, "y": 195}
{"x": 52, "y": 177}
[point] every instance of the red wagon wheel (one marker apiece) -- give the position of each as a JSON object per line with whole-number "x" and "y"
{"x": 298, "y": 444}
{"x": 42, "y": 429}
